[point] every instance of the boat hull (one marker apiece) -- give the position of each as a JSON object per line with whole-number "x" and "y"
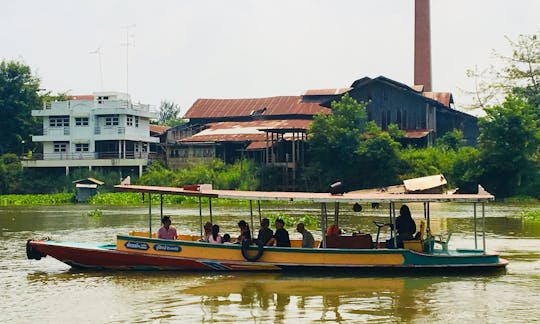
{"x": 136, "y": 253}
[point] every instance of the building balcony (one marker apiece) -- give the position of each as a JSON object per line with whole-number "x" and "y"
{"x": 87, "y": 159}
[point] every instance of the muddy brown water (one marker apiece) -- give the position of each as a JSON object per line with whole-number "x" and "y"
{"x": 49, "y": 291}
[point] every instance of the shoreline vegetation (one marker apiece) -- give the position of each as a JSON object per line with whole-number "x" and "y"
{"x": 136, "y": 199}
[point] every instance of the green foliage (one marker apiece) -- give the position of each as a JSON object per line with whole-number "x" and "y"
{"x": 96, "y": 213}
{"x": 310, "y": 221}
{"x": 169, "y": 114}
{"x": 242, "y": 175}
{"x": 36, "y": 200}
{"x": 509, "y": 144}
{"x": 18, "y": 97}
{"x": 344, "y": 145}
{"x": 10, "y": 173}
{"x": 531, "y": 215}
{"x": 451, "y": 141}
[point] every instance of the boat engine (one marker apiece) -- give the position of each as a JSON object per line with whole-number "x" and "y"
{"x": 33, "y": 254}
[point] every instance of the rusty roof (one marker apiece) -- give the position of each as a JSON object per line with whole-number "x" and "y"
{"x": 158, "y": 129}
{"x": 416, "y": 133}
{"x": 251, "y": 131}
{"x": 272, "y": 106}
{"x": 443, "y": 97}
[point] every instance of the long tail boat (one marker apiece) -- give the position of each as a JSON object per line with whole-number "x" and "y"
{"x": 142, "y": 251}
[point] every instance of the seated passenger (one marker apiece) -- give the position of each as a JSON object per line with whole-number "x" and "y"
{"x": 226, "y": 239}
{"x": 265, "y": 233}
{"x": 245, "y": 233}
{"x": 215, "y": 237}
{"x": 207, "y": 232}
{"x": 333, "y": 230}
{"x": 307, "y": 238}
{"x": 281, "y": 236}
{"x": 405, "y": 227}
{"x": 167, "y": 232}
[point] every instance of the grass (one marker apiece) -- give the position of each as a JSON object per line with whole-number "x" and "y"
{"x": 37, "y": 200}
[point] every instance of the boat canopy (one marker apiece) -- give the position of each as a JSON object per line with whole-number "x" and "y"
{"x": 319, "y": 197}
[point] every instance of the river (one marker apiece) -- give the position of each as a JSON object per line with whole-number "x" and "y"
{"x": 49, "y": 291}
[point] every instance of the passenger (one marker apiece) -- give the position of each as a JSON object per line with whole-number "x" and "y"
{"x": 167, "y": 232}
{"x": 207, "y": 232}
{"x": 226, "y": 239}
{"x": 333, "y": 230}
{"x": 245, "y": 233}
{"x": 265, "y": 233}
{"x": 307, "y": 238}
{"x": 405, "y": 227}
{"x": 215, "y": 237}
{"x": 281, "y": 236}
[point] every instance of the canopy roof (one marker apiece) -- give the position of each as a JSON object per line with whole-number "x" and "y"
{"x": 310, "y": 196}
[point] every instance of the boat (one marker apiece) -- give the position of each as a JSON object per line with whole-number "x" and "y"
{"x": 358, "y": 252}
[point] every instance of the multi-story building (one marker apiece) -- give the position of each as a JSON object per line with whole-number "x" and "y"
{"x": 101, "y": 130}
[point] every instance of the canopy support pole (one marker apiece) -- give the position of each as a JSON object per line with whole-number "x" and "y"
{"x": 251, "y": 215}
{"x": 161, "y": 206}
{"x": 475, "y": 230}
{"x": 149, "y": 215}
{"x": 200, "y": 215}
{"x": 483, "y": 228}
{"x": 210, "y": 208}
{"x": 259, "y": 208}
{"x": 336, "y": 213}
{"x": 324, "y": 221}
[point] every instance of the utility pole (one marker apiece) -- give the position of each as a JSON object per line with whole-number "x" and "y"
{"x": 127, "y": 44}
{"x": 98, "y": 53}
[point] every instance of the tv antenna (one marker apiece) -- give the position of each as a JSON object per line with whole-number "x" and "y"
{"x": 99, "y": 53}
{"x": 127, "y": 44}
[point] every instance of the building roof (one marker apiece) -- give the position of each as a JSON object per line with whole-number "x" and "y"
{"x": 443, "y": 97}
{"x": 89, "y": 181}
{"x": 416, "y": 133}
{"x": 158, "y": 129}
{"x": 251, "y": 131}
{"x": 272, "y": 106}
{"x": 325, "y": 92}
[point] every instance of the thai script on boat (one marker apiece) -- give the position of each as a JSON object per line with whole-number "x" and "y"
{"x": 168, "y": 248}
{"x": 136, "y": 245}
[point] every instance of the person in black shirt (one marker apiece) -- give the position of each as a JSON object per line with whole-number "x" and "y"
{"x": 281, "y": 236}
{"x": 405, "y": 227}
{"x": 265, "y": 233}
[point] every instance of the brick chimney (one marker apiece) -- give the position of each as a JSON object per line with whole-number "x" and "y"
{"x": 422, "y": 45}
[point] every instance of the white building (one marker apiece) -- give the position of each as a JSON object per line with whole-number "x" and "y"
{"x": 101, "y": 130}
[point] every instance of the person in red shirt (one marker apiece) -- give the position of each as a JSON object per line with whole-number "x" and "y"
{"x": 167, "y": 232}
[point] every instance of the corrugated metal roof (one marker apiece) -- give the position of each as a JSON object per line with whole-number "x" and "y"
{"x": 326, "y": 92}
{"x": 81, "y": 97}
{"x": 158, "y": 129}
{"x": 215, "y": 108}
{"x": 416, "y": 133}
{"x": 443, "y": 97}
{"x": 257, "y": 145}
{"x": 245, "y": 131}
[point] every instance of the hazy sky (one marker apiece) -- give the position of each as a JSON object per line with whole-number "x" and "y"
{"x": 184, "y": 50}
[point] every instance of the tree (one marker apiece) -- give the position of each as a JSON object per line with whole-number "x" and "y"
{"x": 520, "y": 74}
{"x": 18, "y": 97}
{"x": 346, "y": 146}
{"x": 168, "y": 114}
{"x": 10, "y": 173}
{"x": 509, "y": 144}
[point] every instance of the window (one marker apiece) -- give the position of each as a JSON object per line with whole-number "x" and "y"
{"x": 59, "y": 121}
{"x": 129, "y": 120}
{"x": 81, "y": 121}
{"x": 60, "y": 147}
{"x": 82, "y": 147}
{"x": 136, "y": 121}
{"x": 111, "y": 120}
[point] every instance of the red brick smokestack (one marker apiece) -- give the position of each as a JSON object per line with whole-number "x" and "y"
{"x": 422, "y": 45}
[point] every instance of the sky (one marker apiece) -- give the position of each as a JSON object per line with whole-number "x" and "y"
{"x": 182, "y": 50}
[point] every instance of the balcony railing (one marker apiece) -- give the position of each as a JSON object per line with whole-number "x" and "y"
{"x": 88, "y": 156}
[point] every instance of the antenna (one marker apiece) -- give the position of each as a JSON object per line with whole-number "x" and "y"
{"x": 127, "y": 44}
{"x": 98, "y": 53}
